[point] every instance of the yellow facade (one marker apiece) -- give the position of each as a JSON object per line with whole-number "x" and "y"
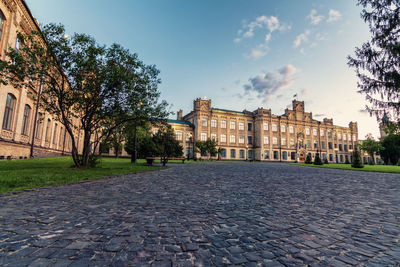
{"x": 261, "y": 135}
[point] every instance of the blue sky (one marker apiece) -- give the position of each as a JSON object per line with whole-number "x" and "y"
{"x": 242, "y": 54}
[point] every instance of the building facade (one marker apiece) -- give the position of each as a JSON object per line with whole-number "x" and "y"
{"x": 261, "y": 135}
{"x": 18, "y": 105}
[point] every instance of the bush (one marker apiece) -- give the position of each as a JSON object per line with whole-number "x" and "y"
{"x": 357, "y": 163}
{"x": 317, "y": 160}
{"x": 308, "y": 159}
{"x": 326, "y": 161}
{"x": 347, "y": 161}
{"x": 371, "y": 161}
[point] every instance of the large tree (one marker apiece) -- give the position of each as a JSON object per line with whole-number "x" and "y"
{"x": 377, "y": 62}
{"x": 168, "y": 145}
{"x": 370, "y": 146}
{"x": 390, "y": 152}
{"x": 86, "y": 86}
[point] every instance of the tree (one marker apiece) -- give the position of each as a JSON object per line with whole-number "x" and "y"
{"x": 390, "y": 152}
{"x": 357, "y": 162}
{"x": 377, "y": 62}
{"x": 370, "y": 146}
{"x": 167, "y": 144}
{"x": 317, "y": 160}
{"x": 86, "y": 86}
{"x": 308, "y": 159}
{"x": 208, "y": 147}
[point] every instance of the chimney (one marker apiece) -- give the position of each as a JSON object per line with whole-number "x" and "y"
{"x": 179, "y": 115}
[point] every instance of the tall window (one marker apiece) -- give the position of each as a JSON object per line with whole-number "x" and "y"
{"x": 307, "y": 131}
{"x": 266, "y": 140}
{"x": 233, "y": 153}
{"x": 38, "y": 125}
{"x": 274, "y": 128}
{"x": 25, "y": 121}
{"x": 47, "y": 137}
{"x": 60, "y": 139}
{"x": 249, "y": 126}
{"x": 232, "y": 139}
{"x": 233, "y": 125}
{"x": 214, "y": 123}
{"x": 8, "y": 112}
{"x": 283, "y": 128}
{"x": 274, "y": 140}
{"x": 223, "y": 138}
{"x": 203, "y": 137}
{"x": 179, "y": 136}
{"x": 241, "y": 126}
{"x": 250, "y": 140}
{"x": 223, "y": 124}
{"x": 204, "y": 122}
{"x": 2, "y": 20}
{"x": 214, "y": 136}
{"x": 291, "y": 129}
{"x": 55, "y": 134}
{"x": 241, "y": 139}
{"x": 315, "y": 132}
{"x": 265, "y": 126}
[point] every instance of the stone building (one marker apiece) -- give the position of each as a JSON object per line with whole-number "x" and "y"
{"x": 261, "y": 135}
{"x": 18, "y": 106}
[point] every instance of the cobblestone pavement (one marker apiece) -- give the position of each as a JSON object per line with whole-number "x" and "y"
{"x": 252, "y": 214}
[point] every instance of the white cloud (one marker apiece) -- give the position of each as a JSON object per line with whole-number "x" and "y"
{"x": 301, "y": 38}
{"x": 269, "y": 83}
{"x": 268, "y": 24}
{"x": 321, "y": 36}
{"x": 334, "y": 15}
{"x": 314, "y": 18}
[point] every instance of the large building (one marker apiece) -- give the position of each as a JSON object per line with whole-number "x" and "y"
{"x": 261, "y": 135}
{"x": 18, "y": 105}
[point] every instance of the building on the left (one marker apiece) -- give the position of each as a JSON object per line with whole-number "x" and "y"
{"x": 18, "y": 106}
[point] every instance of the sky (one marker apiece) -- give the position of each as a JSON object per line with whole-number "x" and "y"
{"x": 241, "y": 54}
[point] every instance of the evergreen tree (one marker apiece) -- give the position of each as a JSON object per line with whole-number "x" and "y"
{"x": 326, "y": 161}
{"x": 317, "y": 160}
{"x": 308, "y": 159}
{"x": 357, "y": 162}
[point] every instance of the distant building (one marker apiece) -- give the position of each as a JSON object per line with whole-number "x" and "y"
{"x": 261, "y": 135}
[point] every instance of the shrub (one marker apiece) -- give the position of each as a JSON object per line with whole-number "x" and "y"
{"x": 357, "y": 163}
{"x": 326, "y": 161}
{"x": 347, "y": 161}
{"x": 317, "y": 160}
{"x": 371, "y": 161}
{"x": 308, "y": 159}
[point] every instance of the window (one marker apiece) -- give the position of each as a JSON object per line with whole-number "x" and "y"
{"x": 232, "y": 139}
{"x": 323, "y": 144}
{"x": 344, "y": 137}
{"x": 307, "y": 131}
{"x": 25, "y": 120}
{"x": 223, "y": 124}
{"x": 55, "y": 134}
{"x": 250, "y": 140}
{"x": 250, "y": 154}
{"x": 308, "y": 144}
{"x": 293, "y": 155}
{"x": 341, "y": 158}
{"x": 283, "y": 141}
{"x": 315, "y": 132}
{"x": 2, "y": 20}
{"x": 315, "y": 145}
{"x": 223, "y": 138}
{"x": 233, "y": 153}
{"x": 339, "y": 135}
{"x": 18, "y": 43}
{"x": 276, "y": 154}
{"x": 266, "y": 140}
{"x": 266, "y": 154}
{"x": 204, "y": 122}
{"x": 241, "y": 154}
{"x": 330, "y": 145}
{"x": 283, "y": 128}
{"x": 213, "y": 136}
{"x": 322, "y": 132}
{"x": 284, "y": 155}
{"x": 265, "y": 126}
{"x": 233, "y": 125}
{"x": 249, "y": 126}
{"x": 329, "y": 134}
{"x": 330, "y": 157}
{"x": 354, "y": 137}
{"x": 223, "y": 153}
{"x": 291, "y": 129}
{"x": 179, "y": 136}
{"x": 274, "y": 128}
{"x": 241, "y": 139}
{"x": 291, "y": 141}
{"x": 214, "y": 123}
{"x": 241, "y": 126}
{"x": 8, "y": 112}
{"x": 60, "y": 138}
{"x": 203, "y": 137}
{"x": 188, "y": 137}
{"x": 324, "y": 156}
{"x": 340, "y": 147}
{"x": 38, "y": 126}
{"x": 274, "y": 140}
{"x": 345, "y": 148}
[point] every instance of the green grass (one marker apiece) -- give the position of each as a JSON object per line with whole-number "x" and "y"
{"x": 368, "y": 168}
{"x": 32, "y": 173}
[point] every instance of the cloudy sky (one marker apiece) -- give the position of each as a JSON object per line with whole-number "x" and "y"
{"x": 242, "y": 54}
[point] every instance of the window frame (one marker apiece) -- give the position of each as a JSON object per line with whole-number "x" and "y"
{"x": 9, "y": 112}
{"x": 25, "y": 119}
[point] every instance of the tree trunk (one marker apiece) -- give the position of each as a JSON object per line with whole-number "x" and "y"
{"x": 134, "y": 153}
{"x": 86, "y": 149}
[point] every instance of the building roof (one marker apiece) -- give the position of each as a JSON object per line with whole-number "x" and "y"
{"x": 181, "y": 122}
{"x": 227, "y": 110}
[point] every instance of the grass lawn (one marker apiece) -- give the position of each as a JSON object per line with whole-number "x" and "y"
{"x": 368, "y": 168}
{"x": 32, "y": 173}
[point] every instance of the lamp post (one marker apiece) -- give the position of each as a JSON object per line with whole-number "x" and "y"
{"x": 280, "y": 141}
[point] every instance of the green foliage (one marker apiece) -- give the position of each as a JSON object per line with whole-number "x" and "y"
{"x": 308, "y": 159}
{"x": 357, "y": 162}
{"x": 390, "y": 151}
{"x": 377, "y": 62}
{"x": 370, "y": 145}
{"x": 208, "y": 147}
{"x": 317, "y": 160}
{"x": 347, "y": 161}
{"x": 371, "y": 161}
{"x": 167, "y": 143}
{"x": 326, "y": 161}
{"x": 369, "y": 168}
{"x": 101, "y": 86}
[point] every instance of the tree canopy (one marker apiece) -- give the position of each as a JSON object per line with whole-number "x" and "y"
{"x": 377, "y": 61}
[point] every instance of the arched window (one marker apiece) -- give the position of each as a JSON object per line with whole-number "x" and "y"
{"x": 25, "y": 121}
{"x": 47, "y": 131}
{"x": 2, "y": 20}
{"x": 38, "y": 125}
{"x": 55, "y": 134}
{"x": 8, "y": 112}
